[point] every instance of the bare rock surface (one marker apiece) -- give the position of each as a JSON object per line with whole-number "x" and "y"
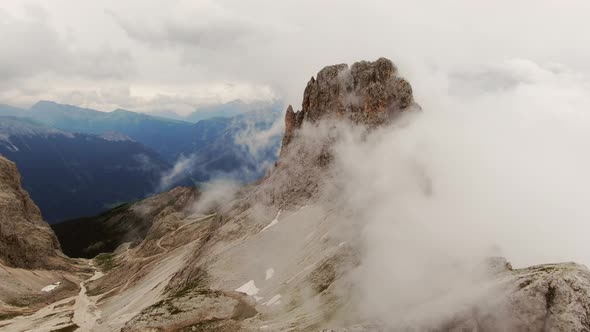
{"x": 26, "y": 240}
{"x": 368, "y": 93}
{"x": 195, "y": 310}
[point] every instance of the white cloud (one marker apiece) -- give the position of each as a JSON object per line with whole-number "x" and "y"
{"x": 178, "y": 172}
{"x": 174, "y": 50}
{"x": 497, "y": 172}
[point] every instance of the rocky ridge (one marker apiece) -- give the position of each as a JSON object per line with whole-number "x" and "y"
{"x": 26, "y": 240}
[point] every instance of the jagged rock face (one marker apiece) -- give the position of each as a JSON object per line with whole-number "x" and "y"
{"x": 26, "y": 240}
{"x": 368, "y": 93}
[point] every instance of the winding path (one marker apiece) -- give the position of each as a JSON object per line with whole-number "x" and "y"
{"x": 76, "y": 311}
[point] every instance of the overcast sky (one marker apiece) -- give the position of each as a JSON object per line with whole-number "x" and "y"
{"x": 176, "y": 54}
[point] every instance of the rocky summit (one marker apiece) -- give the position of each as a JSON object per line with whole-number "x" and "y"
{"x": 367, "y": 93}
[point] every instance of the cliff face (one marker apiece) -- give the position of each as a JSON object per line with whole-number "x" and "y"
{"x": 26, "y": 240}
{"x": 368, "y": 93}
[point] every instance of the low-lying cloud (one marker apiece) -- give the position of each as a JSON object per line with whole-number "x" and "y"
{"x": 179, "y": 171}
{"x": 500, "y": 172}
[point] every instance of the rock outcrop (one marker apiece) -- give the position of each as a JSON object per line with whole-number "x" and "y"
{"x": 368, "y": 93}
{"x": 26, "y": 240}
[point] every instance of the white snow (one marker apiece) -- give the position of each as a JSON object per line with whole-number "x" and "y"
{"x": 248, "y": 288}
{"x": 51, "y": 287}
{"x": 274, "y": 300}
{"x": 272, "y": 223}
{"x": 269, "y": 273}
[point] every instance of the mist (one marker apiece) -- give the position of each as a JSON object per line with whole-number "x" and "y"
{"x": 215, "y": 194}
{"x": 177, "y": 173}
{"x": 477, "y": 173}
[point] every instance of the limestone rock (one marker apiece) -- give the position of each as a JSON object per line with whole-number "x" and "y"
{"x": 368, "y": 93}
{"x": 26, "y": 240}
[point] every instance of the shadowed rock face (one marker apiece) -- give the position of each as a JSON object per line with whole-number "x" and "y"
{"x": 368, "y": 93}
{"x": 26, "y": 240}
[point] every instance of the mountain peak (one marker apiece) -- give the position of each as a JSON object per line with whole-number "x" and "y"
{"x": 367, "y": 93}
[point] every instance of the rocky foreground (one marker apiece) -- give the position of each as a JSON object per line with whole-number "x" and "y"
{"x": 283, "y": 254}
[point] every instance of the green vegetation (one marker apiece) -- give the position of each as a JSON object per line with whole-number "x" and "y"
{"x": 105, "y": 261}
{"x": 8, "y": 315}
{"x": 198, "y": 282}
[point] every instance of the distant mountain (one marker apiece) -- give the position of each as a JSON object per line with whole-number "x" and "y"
{"x": 167, "y": 137}
{"x": 244, "y": 151}
{"x": 72, "y": 174}
{"x": 7, "y": 110}
{"x": 183, "y": 153}
{"x": 230, "y": 109}
{"x": 218, "y": 146}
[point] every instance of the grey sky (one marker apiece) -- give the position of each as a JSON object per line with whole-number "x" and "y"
{"x": 175, "y": 54}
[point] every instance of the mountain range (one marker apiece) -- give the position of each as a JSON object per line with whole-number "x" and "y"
{"x": 77, "y": 162}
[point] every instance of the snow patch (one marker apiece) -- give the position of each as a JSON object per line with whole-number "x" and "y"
{"x": 269, "y": 273}
{"x": 51, "y": 287}
{"x": 248, "y": 288}
{"x": 272, "y": 223}
{"x": 274, "y": 300}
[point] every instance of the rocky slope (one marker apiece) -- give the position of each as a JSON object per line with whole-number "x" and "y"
{"x": 26, "y": 240}
{"x": 285, "y": 254}
{"x": 128, "y": 223}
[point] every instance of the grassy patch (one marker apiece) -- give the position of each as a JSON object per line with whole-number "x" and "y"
{"x": 8, "y": 315}
{"x": 105, "y": 261}
{"x": 199, "y": 281}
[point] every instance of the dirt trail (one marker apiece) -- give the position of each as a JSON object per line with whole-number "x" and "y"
{"x": 86, "y": 312}
{"x": 82, "y": 311}
{"x": 164, "y": 251}
{"x": 76, "y": 311}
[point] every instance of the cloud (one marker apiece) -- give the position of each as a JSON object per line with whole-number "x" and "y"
{"x": 498, "y": 172}
{"x": 216, "y": 194}
{"x": 40, "y": 49}
{"x": 205, "y": 25}
{"x": 256, "y": 139}
{"x": 171, "y": 51}
{"x": 178, "y": 172}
